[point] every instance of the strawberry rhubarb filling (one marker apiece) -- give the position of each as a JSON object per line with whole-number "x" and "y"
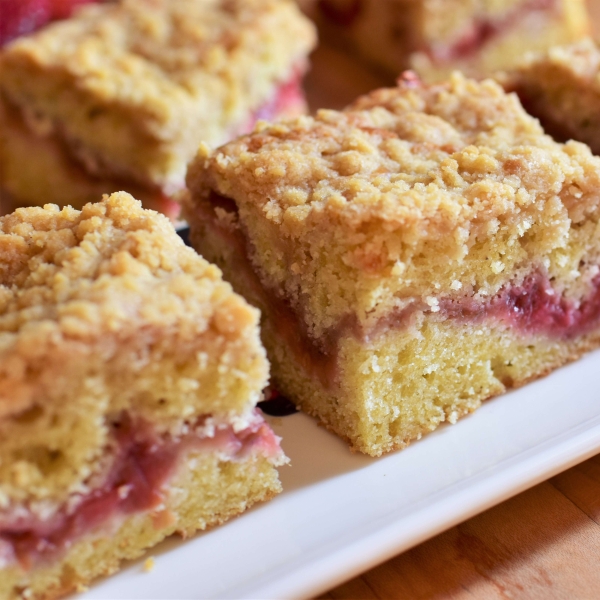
{"x": 530, "y": 307}
{"x": 144, "y": 464}
{"x": 20, "y": 17}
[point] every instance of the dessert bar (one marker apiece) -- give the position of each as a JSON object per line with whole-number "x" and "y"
{"x": 120, "y": 95}
{"x": 435, "y": 37}
{"x": 129, "y": 377}
{"x": 561, "y": 87}
{"x": 421, "y": 251}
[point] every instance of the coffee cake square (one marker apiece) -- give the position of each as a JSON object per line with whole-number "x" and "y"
{"x": 421, "y": 251}
{"x": 129, "y": 377}
{"x": 120, "y": 95}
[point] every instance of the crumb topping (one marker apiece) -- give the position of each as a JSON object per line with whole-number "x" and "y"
{"x": 87, "y": 273}
{"x": 417, "y": 190}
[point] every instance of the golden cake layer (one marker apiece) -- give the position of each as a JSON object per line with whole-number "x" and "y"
{"x": 116, "y": 338}
{"x": 129, "y": 89}
{"x": 204, "y": 493}
{"x": 381, "y": 241}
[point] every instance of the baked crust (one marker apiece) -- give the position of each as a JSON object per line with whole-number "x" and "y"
{"x": 133, "y": 86}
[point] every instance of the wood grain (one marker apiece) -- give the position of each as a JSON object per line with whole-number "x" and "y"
{"x": 544, "y": 543}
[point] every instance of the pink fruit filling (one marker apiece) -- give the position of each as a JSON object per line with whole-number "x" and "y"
{"x": 20, "y": 17}
{"x": 531, "y": 307}
{"x": 287, "y": 101}
{"x": 144, "y": 464}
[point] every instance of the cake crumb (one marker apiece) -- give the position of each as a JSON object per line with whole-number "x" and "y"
{"x": 149, "y": 564}
{"x": 453, "y": 417}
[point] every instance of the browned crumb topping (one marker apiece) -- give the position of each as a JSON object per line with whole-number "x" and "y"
{"x": 105, "y": 310}
{"x": 152, "y": 77}
{"x": 84, "y": 274}
{"x": 415, "y": 191}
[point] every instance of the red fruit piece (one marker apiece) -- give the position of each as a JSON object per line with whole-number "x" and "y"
{"x": 18, "y": 17}
{"x": 61, "y": 9}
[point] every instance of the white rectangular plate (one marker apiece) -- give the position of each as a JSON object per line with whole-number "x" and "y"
{"x": 341, "y": 514}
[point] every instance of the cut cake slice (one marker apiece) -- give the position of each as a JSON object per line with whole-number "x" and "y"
{"x": 425, "y": 249}
{"x": 129, "y": 376}
{"x": 435, "y": 37}
{"x": 120, "y": 95}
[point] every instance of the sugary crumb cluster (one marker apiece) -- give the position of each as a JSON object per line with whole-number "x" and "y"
{"x": 417, "y": 191}
{"x": 104, "y": 311}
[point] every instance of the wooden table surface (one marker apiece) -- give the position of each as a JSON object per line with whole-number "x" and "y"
{"x": 543, "y": 543}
